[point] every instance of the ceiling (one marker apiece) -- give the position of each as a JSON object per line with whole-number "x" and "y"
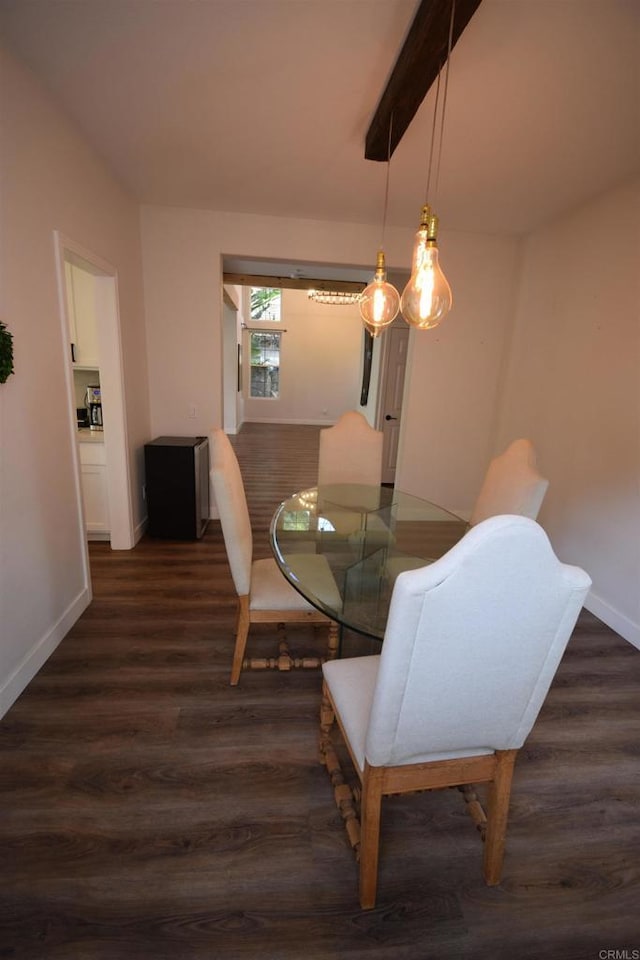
{"x": 262, "y": 106}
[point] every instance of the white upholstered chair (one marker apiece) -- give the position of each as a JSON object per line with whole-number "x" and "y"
{"x": 264, "y": 595}
{"x": 472, "y": 644}
{"x": 512, "y": 484}
{"x": 350, "y": 451}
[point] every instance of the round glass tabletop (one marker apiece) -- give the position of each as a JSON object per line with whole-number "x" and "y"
{"x": 343, "y": 545}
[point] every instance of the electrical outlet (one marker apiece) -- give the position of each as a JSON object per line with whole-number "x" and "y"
{"x": 193, "y": 411}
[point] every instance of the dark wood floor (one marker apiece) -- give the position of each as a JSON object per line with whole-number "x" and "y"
{"x": 149, "y": 811}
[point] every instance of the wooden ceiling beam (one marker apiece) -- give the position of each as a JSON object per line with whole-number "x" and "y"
{"x": 422, "y": 55}
{"x": 293, "y": 283}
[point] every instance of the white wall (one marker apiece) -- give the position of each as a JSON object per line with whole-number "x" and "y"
{"x": 321, "y": 356}
{"x": 452, "y": 386}
{"x": 455, "y": 372}
{"x": 574, "y": 389}
{"x": 51, "y": 181}
{"x": 233, "y": 314}
{"x": 183, "y": 252}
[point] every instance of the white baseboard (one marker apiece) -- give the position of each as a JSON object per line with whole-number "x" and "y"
{"x": 41, "y": 651}
{"x": 614, "y": 619}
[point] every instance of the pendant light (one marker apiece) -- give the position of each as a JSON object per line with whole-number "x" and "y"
{"x": 340, "y": 298}
{"x": 427, "y": 297}
{"x": 380, "y": 301}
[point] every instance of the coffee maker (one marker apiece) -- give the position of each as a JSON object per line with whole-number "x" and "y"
{"x": 94, "y": 408}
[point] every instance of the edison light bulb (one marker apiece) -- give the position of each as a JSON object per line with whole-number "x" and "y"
{"x": 380, "y": 301}
{"x": 426, "y": 299}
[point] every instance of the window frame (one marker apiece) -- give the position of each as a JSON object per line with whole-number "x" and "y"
{"x": 250, "y": 331}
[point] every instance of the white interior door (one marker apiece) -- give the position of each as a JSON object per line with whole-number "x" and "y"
{"x": 394, "y": 365}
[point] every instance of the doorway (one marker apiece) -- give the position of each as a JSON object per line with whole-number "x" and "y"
{"x": 387, "y": 371}
{"x": 104, "y": 293}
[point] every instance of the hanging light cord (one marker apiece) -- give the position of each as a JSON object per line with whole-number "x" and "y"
{"x": 386, "y": 189}
{"x": 433, "y": 139}
{"x": 444, "y": 98}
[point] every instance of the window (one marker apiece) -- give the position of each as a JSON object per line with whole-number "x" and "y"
{"x": 264, "y": 345}
{"x": 266, "y": 303}
{"x": 265, "y": 363}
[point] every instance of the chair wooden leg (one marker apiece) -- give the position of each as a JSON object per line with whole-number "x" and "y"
{"x": 497, "y": 816}
{"x": 334, "y": 639}
{"x": 343, "y": 794}
{"x": 327, "y": 719}
{"x": 242, "y": 632}
{"x": 370, "y": 834}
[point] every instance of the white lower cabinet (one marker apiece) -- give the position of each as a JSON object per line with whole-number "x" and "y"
{"x": 94, "y": 489}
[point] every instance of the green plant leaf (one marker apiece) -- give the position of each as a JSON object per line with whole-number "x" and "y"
{"x": 6, "y": 353}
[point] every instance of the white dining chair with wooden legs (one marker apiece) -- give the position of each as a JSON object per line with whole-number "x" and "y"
{"x": 512, "y": 484}
{"x": 350, "y": 454}
{"x": 350, "y": 451}
{"x": 471, "y": 647}
{"x": 264, "y": 595}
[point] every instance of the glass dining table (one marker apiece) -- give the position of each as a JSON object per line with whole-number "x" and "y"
{"x": 368, "y": 535}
